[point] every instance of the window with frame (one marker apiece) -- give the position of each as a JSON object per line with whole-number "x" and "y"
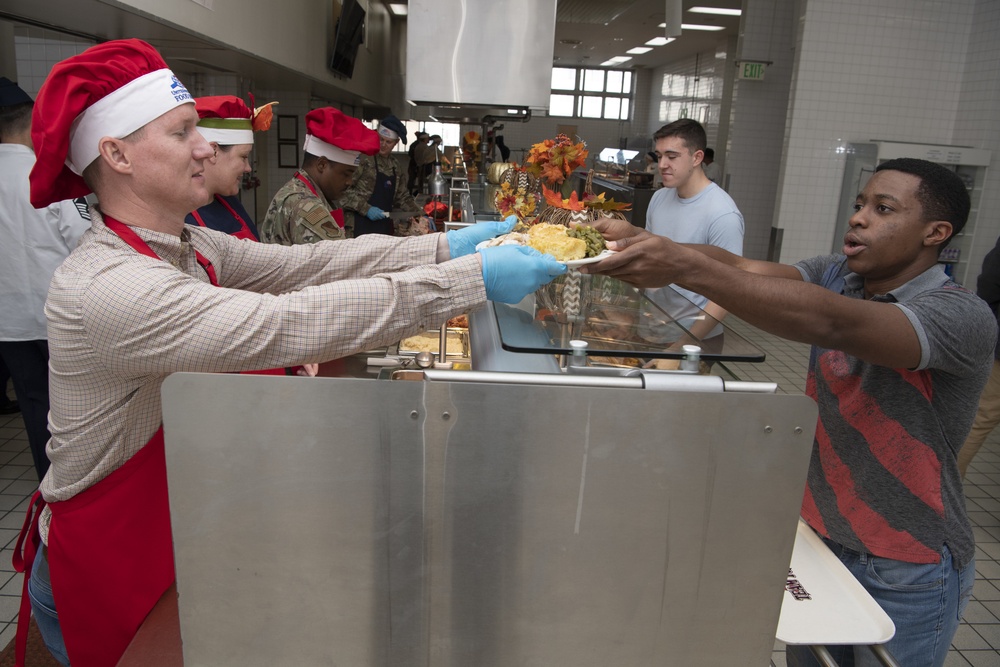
{"x": 580, "y": 92}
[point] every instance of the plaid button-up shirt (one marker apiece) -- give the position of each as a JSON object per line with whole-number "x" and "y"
{"x": 120, "y": 322}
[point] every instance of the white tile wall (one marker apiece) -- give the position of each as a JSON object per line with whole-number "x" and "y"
{"x": 693, "y": 87}
{"x": 757, "y": 121}
{"x": 37, "y": 50}
{"x": 978, "y": 123}
{"x": 889, "y": 70}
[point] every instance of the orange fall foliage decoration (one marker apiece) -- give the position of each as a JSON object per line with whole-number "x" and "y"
{"x": 555, "y": 199}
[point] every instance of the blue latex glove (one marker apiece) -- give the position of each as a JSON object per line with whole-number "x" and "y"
{"x": 512, "y": 272}
{"x": 462, "y": 242}
{"x": 374, "y": 213}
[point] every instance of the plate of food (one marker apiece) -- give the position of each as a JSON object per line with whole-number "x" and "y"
{"x": 573, "y": 247}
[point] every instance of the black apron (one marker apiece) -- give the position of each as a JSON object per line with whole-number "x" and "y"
{"x": 383, "y": 197}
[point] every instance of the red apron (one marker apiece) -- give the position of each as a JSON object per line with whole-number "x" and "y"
{"x": 244, "y": 233}
{"x": 110, "y": 558}
{"x": 336, "y": 213}
{"x": 110, "y": 547}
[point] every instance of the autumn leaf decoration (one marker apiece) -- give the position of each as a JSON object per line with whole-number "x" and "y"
{"x": 514, "y": 201}
{"x": 553, "y": 160}
{"x": 599, "y": 203}
{"x": 555, "y": 200}
{"x": 260, "y": 119}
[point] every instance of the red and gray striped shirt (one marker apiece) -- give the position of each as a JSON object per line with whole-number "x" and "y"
{"x": 884, "y": 477}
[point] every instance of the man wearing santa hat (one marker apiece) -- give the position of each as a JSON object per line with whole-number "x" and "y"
{"x": 140, "y": 298}
{"x": 303, "y": 210}
{"x": 35, "y": 242}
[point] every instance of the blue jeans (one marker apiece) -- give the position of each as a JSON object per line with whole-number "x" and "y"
{"x": 924, "y": 601}
{"x": 43, "y": 606}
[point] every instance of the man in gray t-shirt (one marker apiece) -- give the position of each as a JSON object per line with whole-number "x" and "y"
{"x": 899, "y": 354}
{"x": 689, "y": 209}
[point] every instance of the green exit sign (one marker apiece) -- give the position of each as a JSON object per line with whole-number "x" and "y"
{"x": 752, "y": 71}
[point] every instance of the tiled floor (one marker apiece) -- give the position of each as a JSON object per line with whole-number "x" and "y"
{"x": 17, "y": 482}
{"x": 977, "y": 642}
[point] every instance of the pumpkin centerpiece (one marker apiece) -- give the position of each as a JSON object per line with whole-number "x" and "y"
{"x": 519, "y": 179}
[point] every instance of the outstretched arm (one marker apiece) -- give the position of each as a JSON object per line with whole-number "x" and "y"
{"x": 770, "y": 296}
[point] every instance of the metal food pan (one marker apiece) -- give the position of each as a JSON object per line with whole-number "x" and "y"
{"x": 458, "y": 343}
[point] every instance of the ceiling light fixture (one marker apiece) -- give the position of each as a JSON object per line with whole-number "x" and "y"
{"x": 696, "y": 26}
{"x": 639, "y": 50}
{"x": 718, "y": 11}
{"x": 617, "y": 60}
{"x": 398, "y": 9}
{"x": 659, "y": 41}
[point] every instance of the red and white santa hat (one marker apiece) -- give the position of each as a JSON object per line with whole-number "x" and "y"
{"x": 109, "y": 90}
{"x": 338, "y": 137}
{"x": 225, "y": 119}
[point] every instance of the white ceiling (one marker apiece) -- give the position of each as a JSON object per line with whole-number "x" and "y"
{"x": 589, "y": 32}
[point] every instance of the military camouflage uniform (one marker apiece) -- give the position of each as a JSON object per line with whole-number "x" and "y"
{"x": 296, "y": 215}
{"x": 355, "y": 200}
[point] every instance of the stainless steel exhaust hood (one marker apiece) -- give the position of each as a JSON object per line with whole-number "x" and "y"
{"x": 469, "y": 58}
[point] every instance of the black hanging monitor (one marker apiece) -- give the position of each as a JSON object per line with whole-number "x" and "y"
{"x": 348, "y": 36}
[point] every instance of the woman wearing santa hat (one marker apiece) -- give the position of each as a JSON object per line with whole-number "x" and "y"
{"x": 228, "y": 124}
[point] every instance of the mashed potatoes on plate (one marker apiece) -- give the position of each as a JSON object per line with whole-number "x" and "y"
{"x": 553, "y": 240}
{"x": 548, "y": 239}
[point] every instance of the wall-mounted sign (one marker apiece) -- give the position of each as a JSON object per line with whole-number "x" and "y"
{"x": 751, "y": 70}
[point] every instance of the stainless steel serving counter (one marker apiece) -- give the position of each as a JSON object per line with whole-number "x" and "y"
{"x": 530, "y": 511}
{"x": 490, "y": 518}
{"x": 445, "y": 524}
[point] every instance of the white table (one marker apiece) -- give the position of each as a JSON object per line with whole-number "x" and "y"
{"x": 825, "y": 605}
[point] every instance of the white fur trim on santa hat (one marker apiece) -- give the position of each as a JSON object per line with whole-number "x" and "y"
{"x": 122, "y": 112}
{"x": 318, "y": 147}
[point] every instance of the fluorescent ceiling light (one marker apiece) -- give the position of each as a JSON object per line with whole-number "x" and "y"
{"x": 719, "y": 11}
{"x": 398, "y": 9}
{"x": 695, "y": 26}
{"x": 659, "y": 41}
{"x": 639, "y": 50}
{"x": 617, "y": 60}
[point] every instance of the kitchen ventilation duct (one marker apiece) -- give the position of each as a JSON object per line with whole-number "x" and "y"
{"x": 469, "y": 55}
